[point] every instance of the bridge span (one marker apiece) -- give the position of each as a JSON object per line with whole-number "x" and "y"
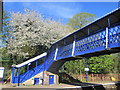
{"x": 97, "y": 38}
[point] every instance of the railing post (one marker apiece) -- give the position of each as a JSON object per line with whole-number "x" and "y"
{"x": 36, "y": 63}
{"x": 18, "y": 76}
{"x": 88, "y": 31}
{"x": 27, "y": 67}
{"x": 73, "y": 49}
{"x": 55, "y": 57}
{"x": 106, "y": 37}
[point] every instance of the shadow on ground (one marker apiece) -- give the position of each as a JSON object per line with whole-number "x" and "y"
{"x": 67, "y": 79}
{"x": 117, "y": 85}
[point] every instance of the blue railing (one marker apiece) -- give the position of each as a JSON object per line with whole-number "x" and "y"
{"x": 114, "y": 36}
{"x": 64, "y": 51}
{"x": 30, "y": 73}
{"x": 49, "y": 60}
{"x": 93, "y": 43}
{"x": 20, "y": 77}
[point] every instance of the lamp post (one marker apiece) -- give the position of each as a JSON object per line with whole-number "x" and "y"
{"x": 86, "y": 69}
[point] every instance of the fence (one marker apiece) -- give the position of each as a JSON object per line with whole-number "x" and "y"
{"x": 98, "y": 77}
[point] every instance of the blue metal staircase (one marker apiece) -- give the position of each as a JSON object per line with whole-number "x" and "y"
{"x": 18, "y": 77}
{"x": 97, "y": 38}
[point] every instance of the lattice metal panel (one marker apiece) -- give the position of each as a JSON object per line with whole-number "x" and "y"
{"x": 91, "y": 42}
{"x": 30, "y": 73}
{"x": 50, "y": 58}
{"x": 114, "y": 35}
{"x": 65, "y": 51}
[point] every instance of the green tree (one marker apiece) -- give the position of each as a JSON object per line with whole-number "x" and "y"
{"x": 74, "y": 67}
{"x": 5, "y": 35}
{"x": 6, "y": 29}
{"x": 81, "y": 19}
{"x": 101, "y": 64}
{"x": 116, "y": 65}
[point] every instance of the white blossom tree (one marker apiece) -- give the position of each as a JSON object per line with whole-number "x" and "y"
{"x": 32, "y": 31}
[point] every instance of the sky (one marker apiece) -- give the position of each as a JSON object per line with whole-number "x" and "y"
{"x": 62, "y": 11}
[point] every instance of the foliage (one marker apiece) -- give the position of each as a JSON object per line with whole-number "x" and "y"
{"x": 4, "y": 36}
{"x": 6, "y": 29}
{"x": 74, "y": 67}
{"x": 116, "y": 65}
{"x": 81, "y": 19}
{"x": 98, "y": 65}
{"x": 32, "y": 34}
{"x": 101, "y": 64}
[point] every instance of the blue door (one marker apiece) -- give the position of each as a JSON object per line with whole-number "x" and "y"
{"x": 51, "y": 79}
{"x": 36, "y": 81}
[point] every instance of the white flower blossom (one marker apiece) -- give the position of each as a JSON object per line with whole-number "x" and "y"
{"x": 31, "y": 29}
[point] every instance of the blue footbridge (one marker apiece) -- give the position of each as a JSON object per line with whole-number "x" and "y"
{"x": 97, "y": 38}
